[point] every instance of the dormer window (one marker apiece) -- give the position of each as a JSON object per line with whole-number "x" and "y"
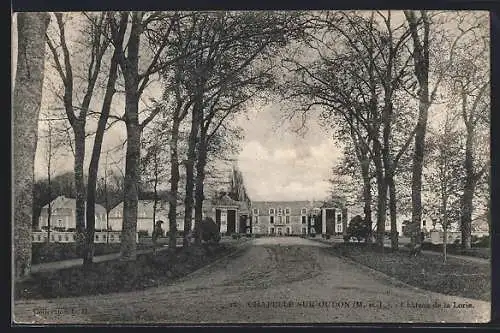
{"x": 287, "y": 211}
{"x": 303, "y": 211}
{"x": 271, "y": 211}
{"x": 255, "y": 211}
{"x": 280, "y": 211}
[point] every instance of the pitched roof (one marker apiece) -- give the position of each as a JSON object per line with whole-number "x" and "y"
{"x": 145, "y": 207}
{"x": 225, "y": 201}
{"x": 64, "y": 202}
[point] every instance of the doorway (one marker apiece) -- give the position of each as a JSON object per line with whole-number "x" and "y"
{"x": 231, "y": 221}
{"x": 217, "y": 217}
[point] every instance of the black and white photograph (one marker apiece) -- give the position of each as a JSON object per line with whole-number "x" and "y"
{"x": 200, "y": 167}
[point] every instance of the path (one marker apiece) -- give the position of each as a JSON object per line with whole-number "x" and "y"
{"x": 271, "y": 280}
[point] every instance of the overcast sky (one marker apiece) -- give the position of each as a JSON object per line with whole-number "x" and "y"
{"x": 279, "y": 164}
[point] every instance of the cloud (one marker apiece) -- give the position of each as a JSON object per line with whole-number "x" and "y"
{"x": 287, "y": 173}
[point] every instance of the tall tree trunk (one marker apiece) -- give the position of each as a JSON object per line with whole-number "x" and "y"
{"x": 94, "y": 165}
{"x": 196, "y": 118}
{"x": 444, "y": 221}
{"x": 79, "y": 188}
{"x": 130, "y": 70}
{"x": 421, "y": 68}
{"x": 174, "y": 184}
{"x": 155, "y": 199}
{"x": 31, "y": 28}
{"x": 49, "y": 184}
{"x": 469, "y": 188}
{"x": 367, "y": 196}
{"x": 381, "y": 194}
{"x": 129, "y": 229}
{"x": 200, "y": 179}
{"x": 392, "y": 212}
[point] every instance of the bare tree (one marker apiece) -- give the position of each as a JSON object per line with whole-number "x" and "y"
{"x": 102, "y": 24}
{"x": 445, "y": 170}
{"x": 31, "y": 28}
{"x": 77, "y": 114}
{"x": 157, "y": 27}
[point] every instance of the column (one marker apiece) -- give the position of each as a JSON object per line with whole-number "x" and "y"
{"x": 323, "y": 221}
{"x": 237, "y": 221}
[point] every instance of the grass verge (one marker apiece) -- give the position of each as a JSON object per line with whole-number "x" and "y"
{"x": 456, "y": 277}
{"x": 116, "y": 276}
{"x": 43, "y": 252}
{"x": 478, "y": 252}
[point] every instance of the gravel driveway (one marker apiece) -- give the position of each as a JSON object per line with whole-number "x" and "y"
{"x": 269, "y": 280}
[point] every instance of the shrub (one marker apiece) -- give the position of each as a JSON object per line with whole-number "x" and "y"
{"x": 209, "y": 230}
{"x": 357, "y": 228}
{"x": 235, "y": 236}
{"x": 483, "y": 242}
{"x": 327, "y": 236}
{"x": 142, "y": 233}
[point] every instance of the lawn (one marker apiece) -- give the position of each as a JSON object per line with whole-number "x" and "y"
{"x": 43, "y": 252}
{"x": 116, "y": 276}
{"x": 478, "y": 252}
{"x": 456, "y": 277}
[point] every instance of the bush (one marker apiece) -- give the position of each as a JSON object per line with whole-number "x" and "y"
{"x": 327, "y": 236}
{"x": 235, "y": 236}
{"x": 209, "y": 230}
{"x": 142, "y": 233}
{"x": 357, "y": 228}
{"x": 484, "y": 241}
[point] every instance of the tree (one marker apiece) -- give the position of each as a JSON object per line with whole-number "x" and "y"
{"x": 445, "y": 171}
{"x": 359, "y": 73}
{"x": 157, "y": 27}
{"x": 31, "y": 28}
{"x": 222, "y": 82}
{"x": 51, "y": 150}
{"x": 155, "y": 163}
{"x": 471, "y": 84}
{"x": 77, "y": 114}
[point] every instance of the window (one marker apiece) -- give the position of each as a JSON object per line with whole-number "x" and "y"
{"x": 339, "y": 218}
{"x": 287, "y": 230}
{"x": 255, "y": 211}
{"x": 248, "y": 222}
{"x": 304, "y": 231}
{"x": 304, "y": 219}
{"x": 339, "y": 228}
{"x": 303, "y": 211}
{"x": 271, "y": 219}
{"x": 96, "y": 237}
{"x": 312, "y": 220}
{"x": 256, "y": 219}
{"x": 287, "y": 219}
{"x": 280, "y": 211}
{"x": 271, "y": 211}
{"x": 280, "y": 219}
{"x": 271, "y": 230}
{"x": 287, "y": 211}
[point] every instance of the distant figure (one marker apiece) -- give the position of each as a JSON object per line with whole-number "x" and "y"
{"x": 157, "y": 233}
{"x": 416, "y": 249}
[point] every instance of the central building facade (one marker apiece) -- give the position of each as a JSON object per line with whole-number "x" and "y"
{"x": 296, "y": 218}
